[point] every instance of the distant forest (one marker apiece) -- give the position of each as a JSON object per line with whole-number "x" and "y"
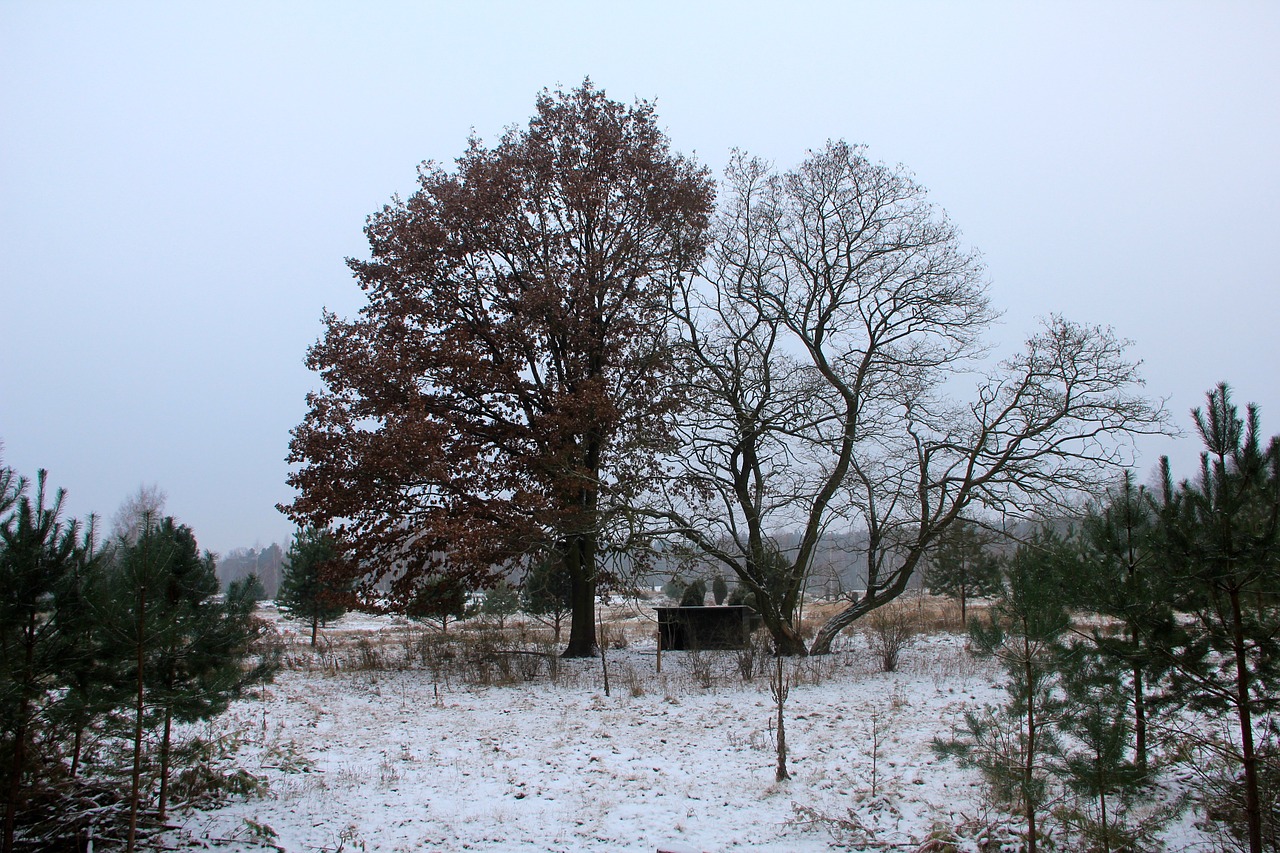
{"x": 241, "y": 562}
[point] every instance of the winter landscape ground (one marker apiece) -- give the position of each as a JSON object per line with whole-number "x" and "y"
{"x": 368, "y": 743}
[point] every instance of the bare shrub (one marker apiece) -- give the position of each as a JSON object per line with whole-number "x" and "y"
{"x": 367, "y": 657}
{"x": 634, "y": 682}
{"x": 613, "y": 635}
{"x": 890, "y": 629}
{"x": 814, "y": 670}
{"x": 528, "y": 664}
{"x": 752, "y": 656}
{"x": 699, "y": 665}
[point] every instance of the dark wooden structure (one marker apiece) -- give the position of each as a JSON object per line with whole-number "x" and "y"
{"x": 684, "y": 628}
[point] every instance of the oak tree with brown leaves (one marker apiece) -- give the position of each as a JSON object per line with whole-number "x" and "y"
{"x": 506, "y": 387}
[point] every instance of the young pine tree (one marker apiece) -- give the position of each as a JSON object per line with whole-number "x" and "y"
{"x": 91, "y": 690}
{"x": 1097, "y": 767}
{"x": 1220, "y": 541}
{"x": 38, "y": 551}
{"x": 547, "y": 592}
{"x": 439, "y": 599}
{"x": 963, "y": 566}
{"x": 1012, "y": 745}
{"x": 178, "y": 646}
{"x": 500, "y": 603}
{"x": 204, "y": 666}
{"x": 1124, "y": 578}
{"x": 306, "y": 590}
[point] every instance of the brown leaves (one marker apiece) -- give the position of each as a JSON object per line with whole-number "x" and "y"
{"x": 504, "y": 386}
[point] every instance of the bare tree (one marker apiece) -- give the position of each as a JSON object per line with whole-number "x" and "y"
{"x": 837, "y": 315}
{"x": 137, "y": 512}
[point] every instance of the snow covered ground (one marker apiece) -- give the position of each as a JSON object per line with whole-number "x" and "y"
{"x": 387, "y": 758}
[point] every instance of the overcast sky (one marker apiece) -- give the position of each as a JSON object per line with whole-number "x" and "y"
{"x": 180, "y": 183}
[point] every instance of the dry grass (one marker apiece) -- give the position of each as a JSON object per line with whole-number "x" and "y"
{"x": 478, "y": 653}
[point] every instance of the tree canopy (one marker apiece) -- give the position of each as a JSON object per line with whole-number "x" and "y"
{"x": 836, "y": 315}
{"x": 505, "y": 388}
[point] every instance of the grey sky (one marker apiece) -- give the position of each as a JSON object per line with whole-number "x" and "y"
{"x": 180, "y": 182}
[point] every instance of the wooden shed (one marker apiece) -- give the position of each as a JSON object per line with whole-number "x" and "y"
{"x": 684, "y": 628}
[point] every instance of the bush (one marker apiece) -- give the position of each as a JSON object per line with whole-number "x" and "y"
{"x": 695, "y": 595}
{"x": 890, "y": 629}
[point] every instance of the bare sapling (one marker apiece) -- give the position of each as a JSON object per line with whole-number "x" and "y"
{"x": 604, "y": 658}
{"x": 780, "y": 687}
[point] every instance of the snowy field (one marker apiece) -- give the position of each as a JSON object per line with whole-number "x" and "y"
{"x": 358, "y": 752}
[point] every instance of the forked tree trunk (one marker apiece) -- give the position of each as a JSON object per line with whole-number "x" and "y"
{"x": 786, "y": 639}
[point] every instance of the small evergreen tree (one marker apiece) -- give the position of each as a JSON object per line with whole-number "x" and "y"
{"x": 144, "y": 615}
{"x": 547, "y": 592}
{"x": 1097, "y": 768}
{"x": 963, "y": 566}
{"x": 500, "y": 602}
{"x": 307, "y": 591}
{"x": 180, "y": 648}
{"x": 1220, "y": 541}
{"x": 91, "y": 690}
{"x": 439, "y": 599}
{"x": 1123, "y": 578}
{"x": 253, "y": 587}
{"x": 199, "y": 666}
{"x": 38, "y": 550}
{"x": 1012, "y": 745}
{"x": 695, "y": 594}
{"x": 719, "y": 589}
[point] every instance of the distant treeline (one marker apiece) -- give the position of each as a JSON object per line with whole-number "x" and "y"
{"x": 239, "y": 563}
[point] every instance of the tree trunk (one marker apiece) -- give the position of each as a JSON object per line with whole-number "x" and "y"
{"x": 786, "y": 639}
{"x": 1029, "y": 765}
{"x": 1139, "y": 720}
{"x": 20, "y": 736}
{"x": 315, "y": 626}
{"x": 75, "y": 751}
{"x": 835, "y": 624}
{"x": 1252, "y": 806}
{"x": 780, "y": 691}
{"x": 135, "y": 786}
{"x": 1106, "y": 830}
{"x": 15, "y": 781}
{"x": 580, "y": 559}
{"x": 164, "y": 763}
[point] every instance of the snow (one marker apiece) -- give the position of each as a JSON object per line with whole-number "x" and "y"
{"x": 387, "y": 759}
